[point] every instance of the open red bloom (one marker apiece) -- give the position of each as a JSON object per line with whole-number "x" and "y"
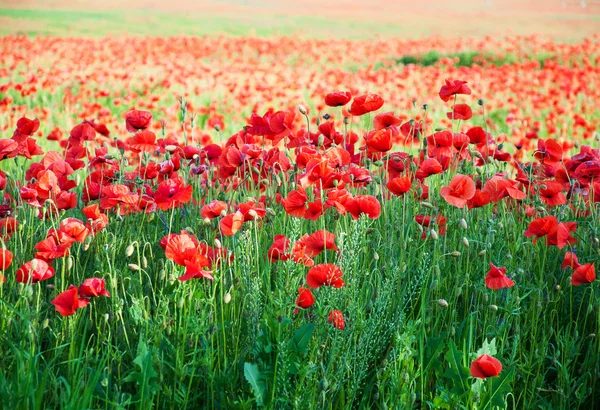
{"x": 278, "y": 249}
{"x": 318, "y": 242}
{"x": 194, "y": 268}
{"x": 213, "y": 209}
{"x": 69, "y": 301}
{"x": 541, "y": 227}
{"x": 325, "y": 274}
{"x": 118, "y": 195}
{"x": 363, "y": 204}
{"x": 34, "y": 271}
{"x": 6, "y": 258}
{"x": 496, "y": 278}
{"x": 583, "y": 274}
{"x": 172, "y": 193}
{"x": 399, "y": 186}
{"x": 379, "y": 140}
{"x": 549, "y": 151}
{"x": 366, "y": 103}
{"x": 460, "y": 190}
{"x": 73, "y": 228}
{"x": 338, "y": 98}
{"x": 51, "y": 248}
{"x": 479, "y": 199}
{"x": 96, "y": 220}
{"x": 428, "y": 167}
{"x": 295, "y": 203}
{"x": 231, "y": 223}
{"x": 93, "y": 287}
{"x": 305, "y": 299}
{"x": 485, "y": 366}
{"x": 551, "y": 193}
{"x": 179, "y": 247}
{"x": 144, "y": 141}
{"x": 453, "y": 87}
{"x": 137, "y": 120}
{"x": 570, "y": 260}
{"x": 337, "y": 319}
{"x": 561, "y": 236}
{"x": 460, "y": 112}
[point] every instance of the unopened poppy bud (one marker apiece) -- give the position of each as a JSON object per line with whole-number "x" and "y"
{"x": 50, "y": 286}
{"x": 480, "y": 101}
{"x": 170, "y": 148}
{"x": 217, "y": 128}
{"x": 443, "y": 303}
{"x": 413, "y": 395}
{"x": 69, "y": 263}
{"x": 144, "y": 262}
{"x": 301, "y": 109}
{"x": 420, "y": 228}
{"x": 378, "y": 163}
{"x": 485, "y": 298}
{"x": 336, "y": 182}
{"x": 28, "y": 292}
{"x": 106, "y": 317}
{"x": 227, "y": 298}
{"x": 206, "y": 221}
{"x": 265, "y": 182}
{"x": 218, "y": 243}
{"x": 172, "y": 279}
{"x": 134, "y": 267}
{"x": 596, "y": 240}
{"x": 592, "y": 335}
{"x": 481, "y": 252}
{"x": 462, "y": 223}
{"x": 129, "y": 250}
{"x": 427, "y": 205}
{"x": 162, "y": 274}
{"x": 151, "y": 217}
{"x": 346, "y": 120}
{"x": 253, "y": 214}
{"x": 271, "y": 212}
{"x": 181, "y": 302}
{"x": 320, "y": 140}
{"x": 456, "y": 254}
{"x": 434, "y": 235}
{"x": 189, "y": 230}
{"x": 465, "y": 242}
{"x": 323, "y": 384}
{"x": 493, "y": 308}
{"x": 45, "y": 323}
{"x": 376, "y": 256}
{"x": 224, "y": 212}
{"x": 557, "y": 288}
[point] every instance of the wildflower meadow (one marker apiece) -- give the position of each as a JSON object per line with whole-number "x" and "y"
{"x": 280, "y": 220}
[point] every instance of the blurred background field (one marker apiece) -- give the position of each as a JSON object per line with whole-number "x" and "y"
{"x": 566, "y": 20}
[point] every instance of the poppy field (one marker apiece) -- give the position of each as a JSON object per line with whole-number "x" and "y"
{"x": 286, "y": 222}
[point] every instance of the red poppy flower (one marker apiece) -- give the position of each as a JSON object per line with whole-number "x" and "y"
{"x": 69, "y": 301}
{"x": 305, "y": 299}
{"x": 93, "y": 287}
{"x": 295, "y": 203}
{"x": 6, "y": 258}
{"x": 561, "y": 236}
{"x": 74, "y": 229}
{"x": 337, "y": 319}
{"x": 172, "y": 193}
{"x": 551, "y": 193}
{"x": 49, "y": 249}
{"x": 338, "y": 98}
{"x": 194, "y": 268}
{"x": 366, "y": 103}
{"x": 27, "y": 127}
{"x": 428, "y": 167}
{"x": 399, "y": 186}
{"x": 137, "y": 120}
{"x": 278, "y": 249}
{"x": 34, "y": 271}
{"x": 479, "y": 199}
{"x": 499, "y": 187}
{"x": 496, "y": 278}
{"x": 213, "y": 209}
{"x": 179, "y": 247}
{"x": 549, "y": 151}
{"x": 583, "y": 274}
{"x": 454, "y": 87}
{"x": 325, "y": 274}
{"x": 379, "y": 140}
{"x": 460, "y": 190}
{"x": 485, "y": 366}
{"x": 460, "y": 112}
{"x": 363, "y": 204}
{"x": 318, "y": 242}
{"x": 144, "y": 141}
{"x": 118, "y": 195}
{"x": 541, "y": 227}
{"x": 231, "y": 223}
{"x": 570, "y": 260}
{"x": 96, "y": 220}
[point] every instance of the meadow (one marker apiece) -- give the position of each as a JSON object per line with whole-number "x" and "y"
{"x": 271, "y": 220}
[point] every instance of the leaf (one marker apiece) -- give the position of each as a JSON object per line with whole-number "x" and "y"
{"x": 146, "y": 377}
{"x": 302, "y": 337}
{"x": 433, "y": 349}
{"x": 456, "y": 371}
{"x": 253, "y": 376}
{"x": 487, "y": 348}
{"x": 497, "y": 390}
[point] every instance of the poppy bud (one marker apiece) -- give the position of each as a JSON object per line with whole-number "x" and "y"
{"x": 224, "y": 212}
{"x": 480, "y": 101}
{"x": 129, "y": 250}
{"x": 485, "y": 366}
{"x": 557, "y": 288}
{"x": 170, "y": 148}
{"x": 321, "y": 140}
{"x": 217, "y": 128}
{"x": 346, "y": 120}
{"x": 301, "y": 109}
{"x": 376, "y": 256}
{"x": 323, "y": 384}
{"x": 493, "y": 308}
{"x": 462, "y": 223}
{"x": 151, "y": 217}
{"x": 227, "y": 298}
{"x": 456, "y": 254}
{"x": 181, "y": 302}
{"x": 378, "y": 163}
{"x": 45, "y": 323}
{"x": 443, "y": 303}
{"x": 172, "y": 279}
{"x": 253, "y": 214}
{"x": 162, "y": 274}
{"x": 434, "y": 235}
{"x": 481, "y": 252}
{"x": 69, "y": 263}
{"x": 50, "y": 286}
{"x": 427, "y": 205}
{"x": 271, "y": 212}
{"x": 336, "y": 182}
{"x": 144, "y": 262}
{"x": 465, "y": 242}
{"x": 134, "y": 267}
{"x": 265, "y": 182}
{"x": 218, "y": 243}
